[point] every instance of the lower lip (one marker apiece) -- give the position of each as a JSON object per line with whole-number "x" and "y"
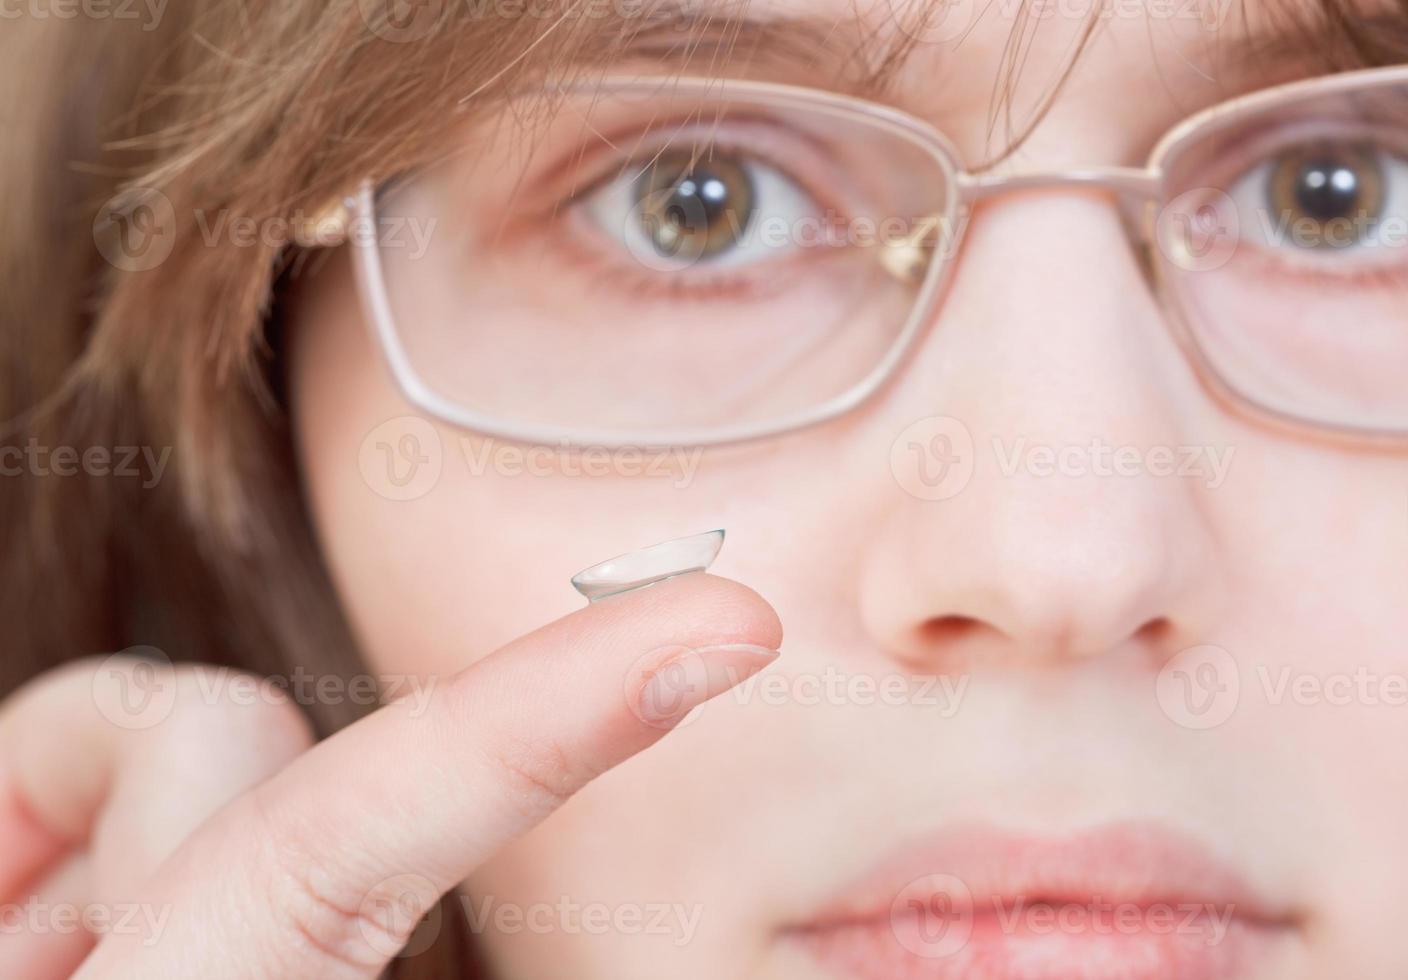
{"x": 938, "y": 928}
{"x": 1030, "y": 944}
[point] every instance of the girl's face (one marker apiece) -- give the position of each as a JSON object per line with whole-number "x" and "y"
{"x": 1066, "y": 638}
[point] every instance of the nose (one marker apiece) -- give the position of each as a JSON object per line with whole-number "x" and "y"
{"x": 1049, "y": 413}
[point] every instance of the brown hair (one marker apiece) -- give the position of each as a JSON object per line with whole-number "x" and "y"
{"x": 267, "y": 109}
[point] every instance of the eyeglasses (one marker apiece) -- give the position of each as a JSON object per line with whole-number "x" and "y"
{"x": 649, "y": 262}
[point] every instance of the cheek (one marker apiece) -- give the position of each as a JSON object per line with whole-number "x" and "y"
{"x": 410, "y": 545}
{"x": 444, "y": 545}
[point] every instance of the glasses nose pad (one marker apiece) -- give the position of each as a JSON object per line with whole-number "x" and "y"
{"x": 908, "y": 258}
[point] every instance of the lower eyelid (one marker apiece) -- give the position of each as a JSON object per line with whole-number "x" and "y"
{"x": 719, "y": 285}
{"x": 1352, "y": 266}
{"x": 1359, "y": 277}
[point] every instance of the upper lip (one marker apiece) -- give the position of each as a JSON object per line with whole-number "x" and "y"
{"x": 986, "y": 868}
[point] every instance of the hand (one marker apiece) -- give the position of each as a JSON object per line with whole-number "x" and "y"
{"x": 271, "y": 861}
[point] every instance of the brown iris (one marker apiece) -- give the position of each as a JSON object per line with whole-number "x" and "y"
{"x": 1327, "y": 193}
{"x": 692, "y": 208}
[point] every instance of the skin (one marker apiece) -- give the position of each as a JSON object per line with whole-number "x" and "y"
{"x": 1056, "y": 599}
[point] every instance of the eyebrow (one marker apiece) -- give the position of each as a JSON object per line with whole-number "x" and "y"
{"x": 731, "y": 38}
{"x": 1282, "y": 40}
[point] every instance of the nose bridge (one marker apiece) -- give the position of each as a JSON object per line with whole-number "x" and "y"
{"x": 1080, "y": 354}
{"x": 1073, "y": 557}
{"x": 1131, "y": 184}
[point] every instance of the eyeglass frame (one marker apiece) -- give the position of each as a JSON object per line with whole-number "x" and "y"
{"x": 1142, "y": 186}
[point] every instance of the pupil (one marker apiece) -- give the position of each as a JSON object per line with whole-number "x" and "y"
{"x": 1327, "y": 189}
{"x": 698, "y": 203}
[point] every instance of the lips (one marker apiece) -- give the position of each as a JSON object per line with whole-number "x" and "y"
{"x": 1128, "y": 901}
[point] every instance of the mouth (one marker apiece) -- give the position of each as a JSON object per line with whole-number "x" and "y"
{"x": 1128, "y": 901}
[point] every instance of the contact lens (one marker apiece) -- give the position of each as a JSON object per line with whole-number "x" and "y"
{"x": 637, "y": 569}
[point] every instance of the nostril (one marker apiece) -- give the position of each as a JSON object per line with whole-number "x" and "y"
{"x": 951, "y": 635}
{"x": 947, "y": 629}
{"x": 1155, "y": 631}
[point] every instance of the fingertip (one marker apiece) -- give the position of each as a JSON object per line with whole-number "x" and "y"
{"x": 698, "y": 608}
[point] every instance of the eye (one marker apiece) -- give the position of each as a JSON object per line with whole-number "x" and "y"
{"x": 713, "y": 207}
{"x": 1325, "y": 197}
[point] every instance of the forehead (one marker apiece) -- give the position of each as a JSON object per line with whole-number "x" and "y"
{"x": 994, "y": 67}
{"x": 1033, "y": 28}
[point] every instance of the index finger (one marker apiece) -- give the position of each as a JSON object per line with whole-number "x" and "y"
{"x": 312, "y": 868}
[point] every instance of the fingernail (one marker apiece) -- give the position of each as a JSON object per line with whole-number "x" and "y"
{"x": 637, "y": 569}
{"x": 682, "y": 678}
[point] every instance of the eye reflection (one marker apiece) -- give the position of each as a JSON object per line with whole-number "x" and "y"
{"x": 695, "y": 208}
